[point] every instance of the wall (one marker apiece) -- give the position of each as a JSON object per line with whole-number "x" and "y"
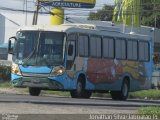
{"x": 10, "y": 22}
{"x": 13, "y": 21}
{"x": 2, "y": 28}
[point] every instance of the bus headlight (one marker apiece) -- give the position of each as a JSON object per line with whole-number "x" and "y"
{"x": 15, "y": 69}
{"x": 57, "y": 71}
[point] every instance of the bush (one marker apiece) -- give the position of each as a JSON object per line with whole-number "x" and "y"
{"x": 5, "y": 70}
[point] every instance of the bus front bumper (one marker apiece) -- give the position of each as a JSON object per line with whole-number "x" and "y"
{"x": 43, "y": 83}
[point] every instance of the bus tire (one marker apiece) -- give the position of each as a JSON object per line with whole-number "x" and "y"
{"x": 34, "y": 91}
{"x": 80, "y": 91}
{"x": 123, "y": 94}
{"x": 87, "y": 94}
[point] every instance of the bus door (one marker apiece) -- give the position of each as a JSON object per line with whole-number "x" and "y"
{"x": 71, "y": 53}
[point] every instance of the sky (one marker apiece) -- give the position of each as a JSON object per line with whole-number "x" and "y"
{"x": 74, "y": 13}
{"x": 19, "y": 4}
{"x": 71, "y": 13}
{"x": 21, "y": 18}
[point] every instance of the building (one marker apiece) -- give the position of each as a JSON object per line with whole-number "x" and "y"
{"x": 9, "y": 24}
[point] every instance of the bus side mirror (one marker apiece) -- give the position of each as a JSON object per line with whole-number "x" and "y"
{"x": 70, "y": 50}
{"x": 10, "y": 45}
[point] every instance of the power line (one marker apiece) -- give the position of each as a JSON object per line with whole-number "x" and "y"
{"x": 81, "y": 12}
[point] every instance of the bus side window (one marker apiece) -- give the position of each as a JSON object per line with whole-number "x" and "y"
{"x": 71, "y": 50}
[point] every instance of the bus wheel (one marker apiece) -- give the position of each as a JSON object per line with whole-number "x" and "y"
{"x": 123, "y": 94}
{"x": 87, "y": 94}
{"x": 34, "y": 91}
{"x": 80, "y": 91}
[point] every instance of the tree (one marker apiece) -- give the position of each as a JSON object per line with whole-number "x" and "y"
{"x": 104, "y": 14}
{"x": 149, "y": 12}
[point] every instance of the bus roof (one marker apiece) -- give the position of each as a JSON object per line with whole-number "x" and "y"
{"x": 58, "y": 28}
{"x": 110, "y": 31}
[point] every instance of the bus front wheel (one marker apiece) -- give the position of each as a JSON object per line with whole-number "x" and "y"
{"x": 80, "y": 91}
{"x": 123, "y": 94}
{"x": 34, "y": 91}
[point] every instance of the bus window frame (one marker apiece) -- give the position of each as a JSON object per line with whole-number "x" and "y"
{"x": 82, "y": 34}
{"x": 121, "y": 38}
{"x": 113, "y": 47}
{"x": 149, "y": 55}
{"x": 96, "y": 51}
{"x": 76, "y": 49}
{"x": 137, "y": 49}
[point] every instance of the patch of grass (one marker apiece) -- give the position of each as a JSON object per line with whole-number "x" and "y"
{"x": 65, "y": 93}
{"x": 59, "y": 93}
{"x": 107, "y": 95}
{"x": 5, "y": 85}
{"x": 153, "y": 111}
{"x": 145, "y": 94}
{"x": 7, "y": 88}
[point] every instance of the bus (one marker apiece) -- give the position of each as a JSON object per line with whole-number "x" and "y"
{"x": 81, "y": 59}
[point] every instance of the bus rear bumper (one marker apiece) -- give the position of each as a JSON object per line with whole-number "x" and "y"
{"x": 43, "y": 83}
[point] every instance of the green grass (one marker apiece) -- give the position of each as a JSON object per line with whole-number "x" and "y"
{"x": 25, "y": 90}
{"x": 5, "y": 85}
{"x": 153, "y": 111}
{"x": 145, "y": 94}
{"x": 101, "y": 95}
{"x": 58, "y": 93}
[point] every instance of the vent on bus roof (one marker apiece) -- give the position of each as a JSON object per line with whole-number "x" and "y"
{"x": 108, "y": 28}
{"x": 95, "y": 27}
{"x": 85, "y": 26}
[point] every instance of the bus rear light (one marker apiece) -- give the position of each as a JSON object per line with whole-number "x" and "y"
{"x": 57, "y": 71}
{"x": 15, "y": 69}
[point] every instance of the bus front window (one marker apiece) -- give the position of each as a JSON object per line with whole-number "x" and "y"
{"x": 39, "y": 48}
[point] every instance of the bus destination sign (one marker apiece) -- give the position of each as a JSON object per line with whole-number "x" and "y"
{"x": 69, "y": 3}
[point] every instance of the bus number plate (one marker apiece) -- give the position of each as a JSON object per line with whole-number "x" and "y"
{"x": 35, "y": 80}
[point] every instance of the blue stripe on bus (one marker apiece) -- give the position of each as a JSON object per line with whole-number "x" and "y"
{"x": 32, "y": 69}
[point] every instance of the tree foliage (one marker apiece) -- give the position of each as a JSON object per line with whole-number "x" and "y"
{"x": 104, "y": 14}
{"x": 150, "y": 13}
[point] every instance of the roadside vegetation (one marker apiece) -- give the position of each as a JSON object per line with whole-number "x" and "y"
{"x": 154, "y": 112}
{"x": 5, "y": 70}
{"x": 5, "y": 85}
{"x": 146, "y": 94}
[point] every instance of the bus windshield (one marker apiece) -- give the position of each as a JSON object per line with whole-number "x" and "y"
{"x": 39, "y": 48}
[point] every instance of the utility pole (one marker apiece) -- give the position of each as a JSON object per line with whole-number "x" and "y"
{"x": 26, "y": 12}
{"x": 155, "y": 17}
{"x": 35, "y": 16}
{"x": 141, "y": 12}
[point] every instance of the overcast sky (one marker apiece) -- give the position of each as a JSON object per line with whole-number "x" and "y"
{"x": 20, "y": 3}
{"x": 83, "y": 13}
{"x": 74, "y": 14}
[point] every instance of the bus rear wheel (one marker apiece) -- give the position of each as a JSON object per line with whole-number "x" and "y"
{"x": 123, "y": 94}
{"x": 80, "y": 91}
{"x": 34, "y": 91}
